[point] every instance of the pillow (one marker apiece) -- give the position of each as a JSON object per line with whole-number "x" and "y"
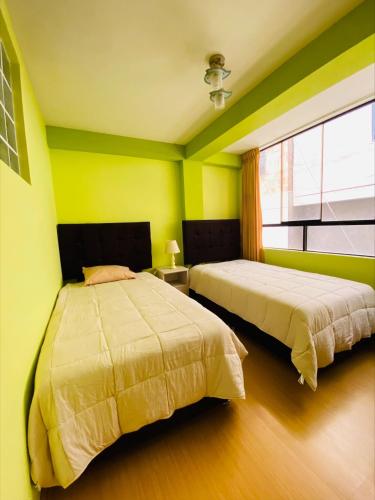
{"x": 104, "y": 274}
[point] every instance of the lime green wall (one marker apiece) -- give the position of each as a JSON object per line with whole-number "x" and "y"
{"x": 92, "y": 187}
{"x": 94, "y": 142}
{"x": 192, "y": 182}
{"x": 220, "y": 192}
{"x": 29, "y": 281}
{"x": 211, "y": 191}
{"x": 344, "y": 266}
{"x": 224, "y": 160}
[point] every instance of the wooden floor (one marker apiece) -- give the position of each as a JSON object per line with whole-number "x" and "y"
{"x": 283, "y": 442}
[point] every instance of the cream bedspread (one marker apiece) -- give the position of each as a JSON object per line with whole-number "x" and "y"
{"x": 314, "y": 315}
{"x": 116, "y": 357}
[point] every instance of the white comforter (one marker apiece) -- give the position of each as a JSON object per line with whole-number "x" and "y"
{"x": 118, "y": 356}
{"x": 314, "y": 315}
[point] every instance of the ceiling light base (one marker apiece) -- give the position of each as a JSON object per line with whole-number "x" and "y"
{"x": 217, "y": 61}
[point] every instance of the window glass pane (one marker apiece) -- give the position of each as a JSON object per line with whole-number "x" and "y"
{"x": 4, "y": 152}
{"x": 270, "y": 184}
{"x": 8, "y": 98}
{"x": 302, "y": 176}
{"x": 6, "y": 65}
{"x": 1, "y": 90}
{"x": 14, "y": 164}
{"x": 283, "y": 237}
{"x": 349, "y": 168}
{"x": 11, "y": 133}
{"x": 2, "y": 123}
{"x": 357, "y": 240}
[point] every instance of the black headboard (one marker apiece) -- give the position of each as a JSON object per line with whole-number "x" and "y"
{"x": 123, "y": 243}
{"x": 211, "y": 240}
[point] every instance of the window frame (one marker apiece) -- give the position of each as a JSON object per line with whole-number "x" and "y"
{"x": 305, "y": 224}
{"x": 18, "y": 117}
{"x": 8, "y": 114}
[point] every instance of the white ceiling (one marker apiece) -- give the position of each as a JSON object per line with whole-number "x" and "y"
{"x": 135, "y": 67}
{"x": 346, "y": 94}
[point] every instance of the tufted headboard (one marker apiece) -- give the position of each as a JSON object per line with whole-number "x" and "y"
{"x": 122, "y": 243}
{"x": 211, "y": 240}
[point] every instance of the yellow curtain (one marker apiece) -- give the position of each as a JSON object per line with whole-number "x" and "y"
{"x": 251, "y": 218}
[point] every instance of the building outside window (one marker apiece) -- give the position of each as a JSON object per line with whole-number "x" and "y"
{"x": 318, "y": 189}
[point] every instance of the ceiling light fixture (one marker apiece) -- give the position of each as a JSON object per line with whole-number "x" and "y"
{"x": 214, "y": 76}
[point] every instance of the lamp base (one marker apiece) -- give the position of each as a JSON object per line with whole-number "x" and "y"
{"x": 173, "y": 263}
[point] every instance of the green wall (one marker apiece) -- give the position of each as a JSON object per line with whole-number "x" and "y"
{"x": 211, "y": 190}
{"x": 29, "y": 281}
{"x": 221, "y": 192}
{"x": 95, "y": 142}
{"x": 344, "y": 266}
{"x": 192, "y": 184}
{"x": 91, "y": 187}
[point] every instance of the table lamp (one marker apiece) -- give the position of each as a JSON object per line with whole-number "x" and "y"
{"x": 171, "y": 247}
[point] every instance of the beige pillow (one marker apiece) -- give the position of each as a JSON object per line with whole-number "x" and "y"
{"x": 103, "y": 274}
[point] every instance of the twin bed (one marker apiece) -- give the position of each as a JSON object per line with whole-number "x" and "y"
{"x": 314, "y": 315}
{"x": 120, "y": 355}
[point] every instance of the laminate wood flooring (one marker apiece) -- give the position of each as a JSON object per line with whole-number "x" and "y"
{"x": 283, "y": 442}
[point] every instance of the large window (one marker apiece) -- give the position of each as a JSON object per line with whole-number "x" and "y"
{"x": 318, "y": 189}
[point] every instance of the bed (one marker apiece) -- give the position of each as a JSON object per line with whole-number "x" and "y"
{"x": 120, "y": 355}
{"x": 314, "y": 315}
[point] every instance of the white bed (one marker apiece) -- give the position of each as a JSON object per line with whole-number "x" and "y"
{"x": 116, "y": 357}
{"x": 314, "y": 315}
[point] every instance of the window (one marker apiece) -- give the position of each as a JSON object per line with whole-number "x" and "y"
{"x": 8, "y": 140}
{"x": 318, "y": 187}
{"x": 13, "y": 148}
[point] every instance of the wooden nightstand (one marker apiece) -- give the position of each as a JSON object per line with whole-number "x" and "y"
{"x": 177, "y": 277}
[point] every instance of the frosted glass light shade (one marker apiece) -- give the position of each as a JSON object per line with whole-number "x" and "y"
{"x": 219, "y": 101}
{"x": 218, "y": 97}
{"x": 216, "y": 79}
{"x": 171, "y": 247}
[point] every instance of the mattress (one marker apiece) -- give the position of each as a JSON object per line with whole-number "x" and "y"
{"x": 314, "y": 315}
{"x": 118, "y": 356}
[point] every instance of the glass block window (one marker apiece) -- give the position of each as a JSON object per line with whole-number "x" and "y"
{"x": 8, "y": 136}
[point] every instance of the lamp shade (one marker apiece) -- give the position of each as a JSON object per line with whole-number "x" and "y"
{"x": 171, "y": 247}
{"x": 219, "y": 100}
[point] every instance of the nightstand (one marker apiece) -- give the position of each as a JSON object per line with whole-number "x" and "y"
{"x": 177, "y": 277}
